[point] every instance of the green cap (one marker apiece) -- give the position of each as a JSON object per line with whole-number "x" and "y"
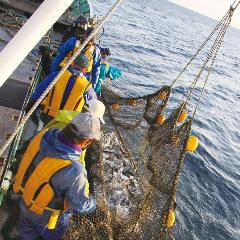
{"x": 82, "y": 61}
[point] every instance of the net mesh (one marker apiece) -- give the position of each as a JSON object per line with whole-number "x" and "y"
{"x": 137, "y": 170}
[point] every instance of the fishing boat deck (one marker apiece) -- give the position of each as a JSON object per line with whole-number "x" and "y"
{"x": 28, "y": 7}
{"x": 14, "y": 90}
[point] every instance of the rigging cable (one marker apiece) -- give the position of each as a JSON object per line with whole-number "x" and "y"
{"x": 214, "y": 58}
{"x": 213, "y": 50}
{"x": 201, "y": 47}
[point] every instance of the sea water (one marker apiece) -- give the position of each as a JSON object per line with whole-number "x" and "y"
{"x": 151, "y": 41}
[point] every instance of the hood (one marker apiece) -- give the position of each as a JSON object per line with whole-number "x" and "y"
{"x": 51, "y": 146}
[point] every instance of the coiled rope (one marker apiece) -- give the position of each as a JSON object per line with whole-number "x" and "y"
{"x": 96, "y": 30}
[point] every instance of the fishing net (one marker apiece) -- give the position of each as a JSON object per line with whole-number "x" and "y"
{"x": 137, "y": 169}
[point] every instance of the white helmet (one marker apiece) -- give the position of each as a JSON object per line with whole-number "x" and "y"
{"x": 96, "y": 108}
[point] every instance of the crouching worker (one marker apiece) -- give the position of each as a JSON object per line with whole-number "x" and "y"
{"x": 52, "y": 181}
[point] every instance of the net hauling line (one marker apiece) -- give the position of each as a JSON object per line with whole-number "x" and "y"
{"x": 95, "y": 31}
{"x": 226, "y": 18}
{"x": 221, "y": 28}
{"x": 210, "y": 58}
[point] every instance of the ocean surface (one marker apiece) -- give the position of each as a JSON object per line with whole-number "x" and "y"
{"x": 151, "y": 41}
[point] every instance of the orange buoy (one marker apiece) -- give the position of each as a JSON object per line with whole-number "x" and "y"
{"x": 192, "y": 144}
{"x": 182, "y": 117}
{"x": 132, "y": 102}
{"x": 160, "y": 119}
{"x": 162, "y": 95}
{"x": 115, "y": 106}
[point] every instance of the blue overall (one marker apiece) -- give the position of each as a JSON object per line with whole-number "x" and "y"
{"x": 106, "y": 72}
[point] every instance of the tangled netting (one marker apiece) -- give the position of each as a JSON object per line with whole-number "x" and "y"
{"x": 137, "y": 170}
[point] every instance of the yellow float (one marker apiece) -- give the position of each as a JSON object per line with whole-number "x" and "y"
{"x": 192, "y": 144}
{"x": 182, "y": 117}
{"x": 160, "y": 119}
{"x": 115, "y": 106}
{"x": 162, "y": 95}
{"x": 132, "y": 102}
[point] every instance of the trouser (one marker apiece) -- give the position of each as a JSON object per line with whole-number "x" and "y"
{"x": 9, "y": 231}
{"x": 34, "y": 227}
{"x": 91, "y": 158}
{"x": 35, "y": 124}
{"x": 31, "y": 127}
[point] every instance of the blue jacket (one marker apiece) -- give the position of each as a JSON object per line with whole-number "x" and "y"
{"x": 69, "y": 182}
{"x": 42, "y": 86}
{"x": 69, "y": 46}
{"x": 106, "y": 72}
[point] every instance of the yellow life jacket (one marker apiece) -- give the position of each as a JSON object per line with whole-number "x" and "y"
{"x": 75, "y": 100}
{"x": 89, "y": 50}
{"x": 36, "y": 189}
{"x": 89, "y": 53}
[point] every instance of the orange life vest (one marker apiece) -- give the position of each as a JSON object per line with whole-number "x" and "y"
{"x": 36, "y": 189}
{"x": 75, "y": 100}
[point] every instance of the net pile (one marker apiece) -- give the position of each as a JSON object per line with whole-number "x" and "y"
{"x": 137, "y": 171}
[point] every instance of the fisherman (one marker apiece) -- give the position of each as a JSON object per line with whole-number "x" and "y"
{"x": 106, "y": 71}
{"x": 79, "y": 26}
{"x": 77, "y": 29}
{"x": 48, "y": 55}
{"x": 62, "y": 119}
{"x": 70, "y": 92}
{"x": 50, "y": 176}
{"x": 91, "y": 50}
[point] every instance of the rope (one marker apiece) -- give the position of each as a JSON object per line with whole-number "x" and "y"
{"x": 234, "y": 7}
{"x": 96, "y": 30}
{"x": 218, "y": 39}
{"x": 202, "y": 46}
{"x": 213, "y": 60}
{"x": 125, "y": 93}
{"x": 211, "y": 57}
{"x": 226, "y": 16}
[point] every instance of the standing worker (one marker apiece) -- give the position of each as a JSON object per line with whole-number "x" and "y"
{"x": 91, "y": 50}
{"x": 106, "y": 71}
{"x": 52, "y": 181}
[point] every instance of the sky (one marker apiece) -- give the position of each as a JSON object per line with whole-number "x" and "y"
{"x": 212, "y": 8}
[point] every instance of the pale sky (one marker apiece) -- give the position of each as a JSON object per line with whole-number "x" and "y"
{"x": 212, "y": 8}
